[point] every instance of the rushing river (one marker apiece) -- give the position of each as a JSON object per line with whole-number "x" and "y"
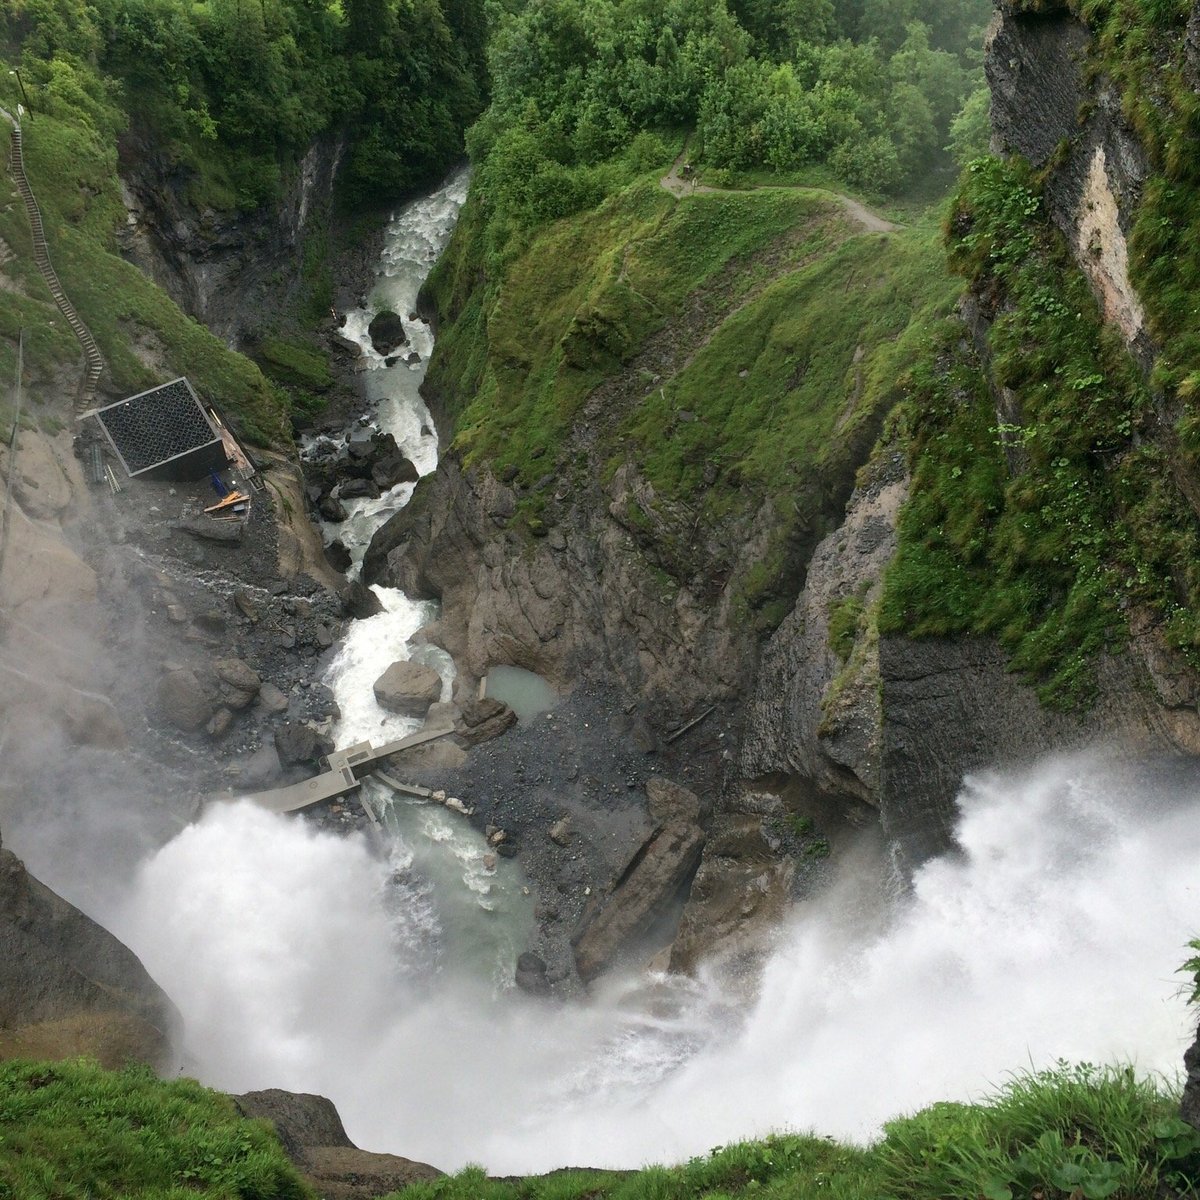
{"x": 303, "y": 960}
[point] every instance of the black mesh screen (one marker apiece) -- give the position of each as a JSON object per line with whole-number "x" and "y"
{"x": 157, "y": 425}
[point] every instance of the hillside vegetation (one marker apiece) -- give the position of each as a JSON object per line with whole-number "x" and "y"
{"x": 71, "y": 1130}
{"x": 1056, "y": 531}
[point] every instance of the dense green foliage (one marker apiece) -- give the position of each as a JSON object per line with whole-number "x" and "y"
{"x": 871, "y": 89}
{"x": 237, "y": 90}
{"x": 1047, "y": 528}
{"x": 73, "y": 1131}
{"x": 1069, "y": 1134}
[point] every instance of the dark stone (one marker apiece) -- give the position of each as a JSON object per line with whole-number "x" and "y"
{"x": 531, "y": 975}
{"x": 483, "y": 720}
{"x": 68, "y": 987}
{"x": 359, "y": 489}
{"x": 219, "y": 725}
{"x": 360, "y": 602}
{"x": 387, "y": 472}
{"x": 658, "y": 871}
{"x": 296, "y": 742}
{"x": 1190, "y": 1110}
{"x": 207, "y": 529}
{"x": 245, "y": 604}
{"x": 183, "y": 701}
{"x": 386, "y": 332}
{"x": 211, "y": 620}
{"x": 332, "y": 509}
{"x": 338, "y": 557}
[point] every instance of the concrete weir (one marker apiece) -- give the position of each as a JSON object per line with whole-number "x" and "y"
{"x": 344, "y": 773}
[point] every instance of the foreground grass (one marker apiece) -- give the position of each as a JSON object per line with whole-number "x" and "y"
{"x": 71, "y": 1129}
{"x": 1075, "y": 1133}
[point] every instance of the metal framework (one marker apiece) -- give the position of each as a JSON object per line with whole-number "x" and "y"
{"x": 164, "y": 431}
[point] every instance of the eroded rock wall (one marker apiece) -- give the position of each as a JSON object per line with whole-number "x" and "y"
{"x": 229, "y": 269}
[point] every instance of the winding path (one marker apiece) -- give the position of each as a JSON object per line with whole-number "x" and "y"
{"x": 867, "y": 220}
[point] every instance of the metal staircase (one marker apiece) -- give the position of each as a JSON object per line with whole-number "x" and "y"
{"x": 41, "y": 256}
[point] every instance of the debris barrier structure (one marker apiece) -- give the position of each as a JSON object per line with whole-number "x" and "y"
{"x": 93, "y": 359}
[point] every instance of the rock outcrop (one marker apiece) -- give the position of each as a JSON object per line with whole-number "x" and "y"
{"x": 315, "y": 1140}
{"x": 68, "y": 987}
{"x": 638, "y": 898}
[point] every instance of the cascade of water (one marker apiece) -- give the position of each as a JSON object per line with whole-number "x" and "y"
{"x": 1056, "y": 932}
{"x": 444, "y": 872}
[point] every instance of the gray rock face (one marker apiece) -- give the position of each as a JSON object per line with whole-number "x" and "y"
{"x": 226, "y": 269}
{"x": 314, "y": 1138}
{"x": 639, "y": 897}
{"x": 1037, "y": 67}
{"x": 740, "y": 892}
{"x": 408, "y": 688}
{"x": 952, "y": 706}
{"x": 813, "y": 716}
{"x": 68, "y": 987}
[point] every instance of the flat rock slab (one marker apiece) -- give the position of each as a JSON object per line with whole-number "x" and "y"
{"x": 660, "y": 868}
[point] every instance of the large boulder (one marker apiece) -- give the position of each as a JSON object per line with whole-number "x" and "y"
{"x": 408, "y": 688}
{"x": 68, "y": 987}
{"x": 238, "y": 682}
{"x": 183, "y": 701}
{"x": 386, "y": 332}
{"x": 640, "y": 896}
{"x": 314, "y": 1138}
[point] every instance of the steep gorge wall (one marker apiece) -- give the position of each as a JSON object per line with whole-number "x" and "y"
{"x": 233, "y": 271}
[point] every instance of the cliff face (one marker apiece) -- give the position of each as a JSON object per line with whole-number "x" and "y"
{"x": 68, "y": 987}
{"x": 230, "y": 270}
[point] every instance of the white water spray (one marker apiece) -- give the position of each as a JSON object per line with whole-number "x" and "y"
{"x": 1055, "y": 933}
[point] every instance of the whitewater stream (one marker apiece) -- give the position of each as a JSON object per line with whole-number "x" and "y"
{"x": 304, "y": 960}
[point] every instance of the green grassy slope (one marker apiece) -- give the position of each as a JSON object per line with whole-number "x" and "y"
{"x": 738, "y": 349}
{"x": 72, "y": 1131}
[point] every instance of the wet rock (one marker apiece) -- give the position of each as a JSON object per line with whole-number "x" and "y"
{"x": 408, "y": 688}
{"x": 338, "y": 556}
{"x": 239, "y": 683}
{"x": 359, "y": 489}
{"x": 68, "y": 987}
{"x": 386, "y": 332}
{"x": 314, "y": 1139}
{"x": 483, "y": 720}
{"x": 271, "y": 700}
{"x": 391, "y": 470}
{"x": 671, "y": 804}
{"x": 219, "y": 723}
{"x": 660, "y": 868}
{"x": 332, "y": 509}
{"x": 531, "y": 975}
{"x": 360, "y": 602}
{"x": 341, "y": 344}
{"x": 182, "y": 700}
{"x": 298, "y": 743}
